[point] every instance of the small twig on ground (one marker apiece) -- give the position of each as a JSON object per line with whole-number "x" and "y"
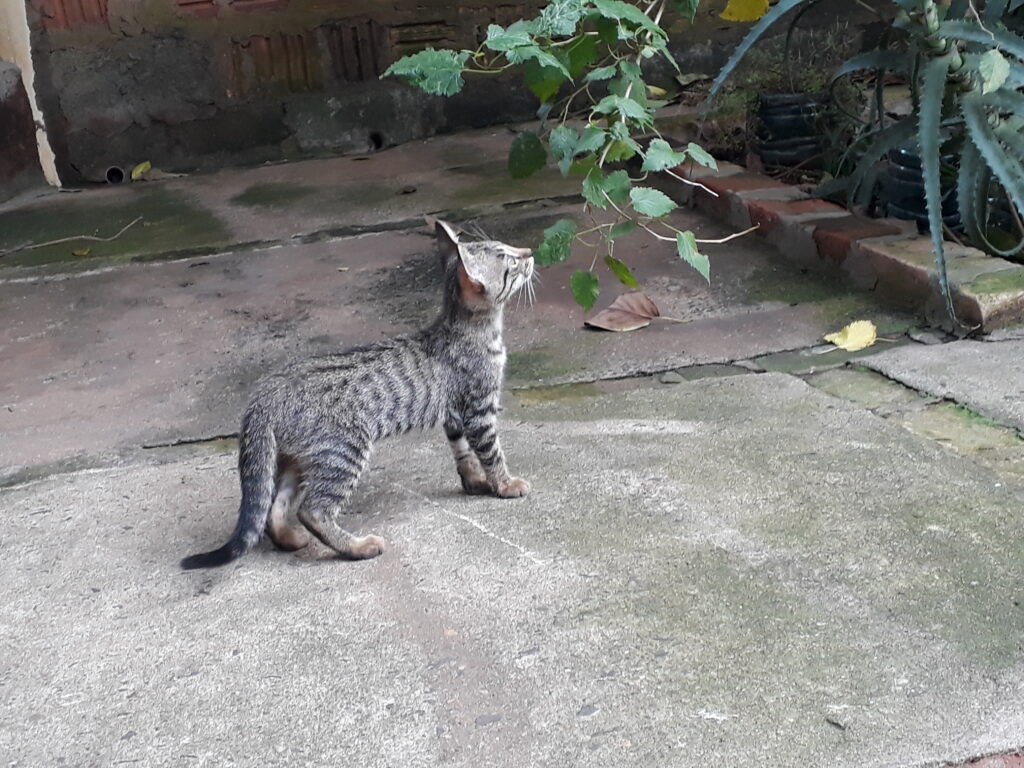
{"x": 58, "y": 241}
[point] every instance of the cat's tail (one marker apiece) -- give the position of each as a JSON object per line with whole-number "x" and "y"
{"x": 257, "y": 466}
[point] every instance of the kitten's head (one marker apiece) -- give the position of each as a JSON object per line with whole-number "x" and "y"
{"x": 482, "y": 275}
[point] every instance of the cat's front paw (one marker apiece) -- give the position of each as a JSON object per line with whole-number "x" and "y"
{"x": 514, "y": 488}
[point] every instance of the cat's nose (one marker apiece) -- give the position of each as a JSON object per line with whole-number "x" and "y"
{"x": 523, "y": 253}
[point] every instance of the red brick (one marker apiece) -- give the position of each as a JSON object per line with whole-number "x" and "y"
{"x": 64, "y": 14}
{"x": 767, "y": 213}
{"x": 721, "y": 202}
{"x": 834, "y": 237}
{"x": 202, "y": 8}
{"x": 740, "y": 182}
{"x": 247, "y": 6}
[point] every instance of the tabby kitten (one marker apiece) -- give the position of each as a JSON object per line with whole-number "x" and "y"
{"x": 309, "y": 429}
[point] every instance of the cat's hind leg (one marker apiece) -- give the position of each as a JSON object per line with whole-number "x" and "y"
{"x": 286, "y": 536}
{"x": 331, "y": 472}
{"x": 471, "y": 472}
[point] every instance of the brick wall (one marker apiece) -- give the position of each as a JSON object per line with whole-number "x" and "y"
{"x": 193, "y": 84}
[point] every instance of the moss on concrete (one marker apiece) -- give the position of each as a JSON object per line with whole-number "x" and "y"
{"x": 314, "y": 200}
{"x": 271, "y": 194}
{"x": 961, "y": 428}
{"x": 539, "y": 363}
{"x": 866, "y": 388}
{"x": 1003, "y": 281}
{"x": 559, "y": 393}
{"x": 773, "y": 282}
{"x": 170, "y": 222}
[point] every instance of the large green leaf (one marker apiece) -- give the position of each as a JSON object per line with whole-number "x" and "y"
{"x": 660, "y": 156}
{"x": 436, "y": 72}
{"x": 624, "y": 106}
{"x": 601, "y": 73}
{"x": 620, "y": 11}
{"x": 557, "y": 243}
{"x": 580, "y": 54}
{"x": 686, "y": 247}
{"x": 543, "y": 81}
{"x": 698, "y": 154}
{"x": 562, "y": 141}
{"x": 621, "y": 271}
{"x": 622, "y": 229}
{"x": 650, "y": 202}
{"x": 592, "y": 140}
{"x": 593, "y": 191}
{"x": 501, "y": 40}
{"x": 527, "y": 155}
{"x": 535, "y": 53}
{"x": 585, "y": 287}
{"x": 994, "y": 69}
{"x": 615, "y": 185}
{"x": 559, "y": 18}
{"x": 933, "y": 88}
{"x": 609, "y": 30}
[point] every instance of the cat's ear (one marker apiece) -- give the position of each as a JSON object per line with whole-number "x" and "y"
{"x": 471, "y": 290}
{"x": 447, "y": 240}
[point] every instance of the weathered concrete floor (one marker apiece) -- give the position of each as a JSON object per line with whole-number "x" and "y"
{"x": 742, "y": 570}
{"x": 815, "y": 566}
{"x": 101, "y": 361}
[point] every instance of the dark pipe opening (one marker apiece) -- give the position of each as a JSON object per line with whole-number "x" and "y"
{"x": 376, "y": 140}
{"x": 114, "y": 175}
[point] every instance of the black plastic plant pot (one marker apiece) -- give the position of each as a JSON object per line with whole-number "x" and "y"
{"x": 902, "y": 189}
{"x": 789, "y": 129}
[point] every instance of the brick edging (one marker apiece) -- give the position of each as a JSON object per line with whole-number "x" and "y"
{"x": 885, "y": 255}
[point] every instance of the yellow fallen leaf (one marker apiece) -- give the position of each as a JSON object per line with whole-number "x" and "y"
{"x": 656, "y": 92}
{"x": 141, "y": 169}
{"x": 859, "y": 334}
{"x": 744, "y": 10}
{"x": 82, "y": 252}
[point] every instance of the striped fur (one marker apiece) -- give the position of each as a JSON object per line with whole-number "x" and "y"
{"x": 309, "y": 429}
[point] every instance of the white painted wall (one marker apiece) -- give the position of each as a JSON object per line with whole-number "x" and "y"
{"x": 15, "y": 46}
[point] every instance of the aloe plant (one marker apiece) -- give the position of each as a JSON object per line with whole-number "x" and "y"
{"x": 966, "y": 72}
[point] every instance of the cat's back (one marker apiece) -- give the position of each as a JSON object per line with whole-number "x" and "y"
{"x": 365, "y": 379}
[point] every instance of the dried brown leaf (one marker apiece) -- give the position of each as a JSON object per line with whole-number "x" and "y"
{"x": 629, "y": 312}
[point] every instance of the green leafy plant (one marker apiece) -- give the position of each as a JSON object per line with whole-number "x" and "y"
{"x": 965, "y": 69}
{"x": 582, "y": 59}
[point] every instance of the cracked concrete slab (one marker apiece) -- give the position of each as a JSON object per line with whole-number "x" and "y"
{"x": 737, "y": 570}
{"x": 987, "y": 377}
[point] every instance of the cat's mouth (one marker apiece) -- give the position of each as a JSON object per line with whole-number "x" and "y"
{"x": 526, "y": 277}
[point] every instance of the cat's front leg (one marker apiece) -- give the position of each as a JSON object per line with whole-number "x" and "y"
{"x": 481, "y": 421}
{"x": 471, "y": 473}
